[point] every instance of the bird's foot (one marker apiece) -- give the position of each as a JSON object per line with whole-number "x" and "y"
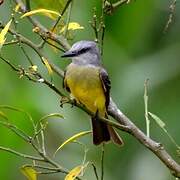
{"x": 73, "y": 103}
{"x": 63, "y": 101}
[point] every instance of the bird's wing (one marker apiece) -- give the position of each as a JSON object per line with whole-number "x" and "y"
{"x": 106, "y": 84}
{"x": 65, "y": 86}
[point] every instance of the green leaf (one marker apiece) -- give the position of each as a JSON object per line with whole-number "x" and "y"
{"x": 52, "y": 115}
{"x": 162, "y": 125}
{"x": 18, "y": 110}
{"x": 157, "y": 120}
{"x": 29, "y": 172}
{"x": 72, "y": 139}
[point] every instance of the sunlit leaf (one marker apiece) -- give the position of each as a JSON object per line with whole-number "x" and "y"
{"x": 72, "y": 26}
{"x": 33, "y": 68}
{"x": 78, "y": 170}
{"x": 16, "y": 9}
{"x": 50, "y": 71}
{"x": 29, "y": 172}
{"x": 3, "y": 33}
{"x": 157, "y": 120}
{"x": 72, "y": 139}
{"x": 74, "y": 173}
{"x": 45, "y": 12}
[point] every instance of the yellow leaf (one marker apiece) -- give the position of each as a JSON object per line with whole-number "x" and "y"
{"x": 33, "y": 68}
{"x": 72, "y": 139}
{"x": 3, "y": 33}
{"x": 74, "y": 173}
{"x": 29, "y": 172}
{"x": 17, "y": 7}
{"x": 50, "y": 71}
{"x": 72, "y": 26}
{"x": 46, "y": 12}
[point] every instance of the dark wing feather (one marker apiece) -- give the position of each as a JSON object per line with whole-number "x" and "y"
{"x": 65, "y": 86}
{"x": 106, "y": 84}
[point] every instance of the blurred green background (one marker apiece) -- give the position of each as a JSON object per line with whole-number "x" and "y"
{"x": 135, "y": 48}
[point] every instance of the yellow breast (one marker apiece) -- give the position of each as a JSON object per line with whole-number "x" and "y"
{"x": 85, "y": 85}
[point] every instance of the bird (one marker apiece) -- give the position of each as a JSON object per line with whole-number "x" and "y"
{"x": 88, "y": 84}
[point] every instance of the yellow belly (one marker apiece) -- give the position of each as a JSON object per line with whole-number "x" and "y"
{"x": 86, "y": 87}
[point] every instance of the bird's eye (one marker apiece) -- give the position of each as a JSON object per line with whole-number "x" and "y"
{"x": 83, "y": 50}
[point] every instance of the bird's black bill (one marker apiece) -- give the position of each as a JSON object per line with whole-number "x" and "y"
{"x": 69, "y": 54}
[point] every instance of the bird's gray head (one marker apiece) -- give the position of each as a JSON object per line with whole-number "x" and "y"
{"x": 84, "y": 52}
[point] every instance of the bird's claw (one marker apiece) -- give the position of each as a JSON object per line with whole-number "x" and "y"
{"x": 63, "y": 101}
{"x": 74, "y": 103}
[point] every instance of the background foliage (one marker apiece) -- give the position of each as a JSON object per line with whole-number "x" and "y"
{"x": 135, "y": 48}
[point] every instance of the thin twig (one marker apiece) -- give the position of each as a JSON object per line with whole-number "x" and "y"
{"x": 62, "y": 13}
{"x": 146, "y": 108}
{"x": 21, "y": 154}
{"x": 68, "y": 18}
{"x": 95, "y": 171}
{"x": 155, "y": 147}
{"x": 102, "y": 162}
{"x": 42, "y": 139}
{"x": 28, "y": 58}
{"x": 171, "y": 15}
{"x": 16, "y": 130}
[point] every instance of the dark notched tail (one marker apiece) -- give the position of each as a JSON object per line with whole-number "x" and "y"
{"x": 104, "y": 133}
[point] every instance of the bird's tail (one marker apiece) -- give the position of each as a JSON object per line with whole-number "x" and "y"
{"x": 102, "y": 132}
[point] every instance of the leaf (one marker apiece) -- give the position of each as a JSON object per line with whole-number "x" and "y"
{"x": 157, "y": 120}
{"x": 72, "y": 139}
{"x": 18, "y": 110}
{"x": 51, "y": 115}
{"x": 50, "y": 71}
{"x": 33, "y": 68}
{"x": 3, "y": 33}
{"x": 29, "y": 172}
{"x": 72, "y": 26}
{"x": 45, "y": 12}
{"x": 3, "y": 115}
{"x": 16, "y": 9}
{"x": 74, "y": 173}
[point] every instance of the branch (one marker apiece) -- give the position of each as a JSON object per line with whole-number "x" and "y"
{"x": 124, "y": 123}
{"x": 152, "y": 145}
{"x": 110, "y": 7}
{"x": 42, "y": 30}
{"x": 20, "y": 154}
{"x": 62, "y": 13}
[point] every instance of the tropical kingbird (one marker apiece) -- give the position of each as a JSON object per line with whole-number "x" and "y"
{"x": 88, "y": 83}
